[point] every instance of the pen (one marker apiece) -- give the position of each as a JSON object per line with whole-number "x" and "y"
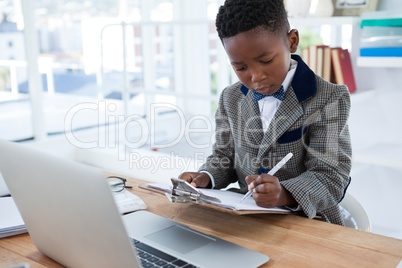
{"x": 271, "y": 172}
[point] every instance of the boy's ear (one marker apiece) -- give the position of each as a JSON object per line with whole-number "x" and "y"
{"x": 293, "y": 40}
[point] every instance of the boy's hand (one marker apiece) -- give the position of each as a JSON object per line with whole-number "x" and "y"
{"x": 197, "y": 179}
{"x": 268, "y": 192}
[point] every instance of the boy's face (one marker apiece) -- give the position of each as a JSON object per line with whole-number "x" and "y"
{"x": 260, "y": 58}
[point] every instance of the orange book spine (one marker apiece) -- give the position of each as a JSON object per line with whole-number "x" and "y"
{"x": 336, "y": 65}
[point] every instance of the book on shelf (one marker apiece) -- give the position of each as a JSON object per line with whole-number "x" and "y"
{"x": 327, "y": 64}
{"x": 322, "y": 60}
{"x": 319, "y": 60}
{"x": 332, "y": 64}
{"x": 381, "y": 22}
{"x": 381, "y": 52}
{"x": 343, "y": 70}
{"x": 312, "y": 58}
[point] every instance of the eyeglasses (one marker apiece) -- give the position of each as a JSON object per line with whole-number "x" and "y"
{"x": 117, "y": 184}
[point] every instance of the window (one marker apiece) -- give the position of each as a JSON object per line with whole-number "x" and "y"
{"x": 105, "y": 62}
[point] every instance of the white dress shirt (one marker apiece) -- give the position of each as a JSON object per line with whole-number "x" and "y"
{"x": 269, "y": 105}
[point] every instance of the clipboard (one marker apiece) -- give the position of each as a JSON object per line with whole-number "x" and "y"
{"x": 183, "y": 192}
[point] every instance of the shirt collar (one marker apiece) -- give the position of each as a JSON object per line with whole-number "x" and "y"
{"x": 290, "y": 74}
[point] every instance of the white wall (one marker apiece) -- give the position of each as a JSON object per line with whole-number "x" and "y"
{"x": 375, "y": 127}
{"x": 390, "y": 5}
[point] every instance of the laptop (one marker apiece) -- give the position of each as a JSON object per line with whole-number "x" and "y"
{"x": 71, "y": 216}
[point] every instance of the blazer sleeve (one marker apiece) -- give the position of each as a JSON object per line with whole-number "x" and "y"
{"x": 220, "y": 164}
{"x": 328, "y": 155}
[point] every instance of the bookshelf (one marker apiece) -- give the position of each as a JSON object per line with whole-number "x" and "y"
{"x": 359, "y": 63}
{"x": 375, "y": 62}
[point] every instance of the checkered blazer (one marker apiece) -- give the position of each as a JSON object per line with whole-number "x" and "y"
{"x": 311, "y": 122}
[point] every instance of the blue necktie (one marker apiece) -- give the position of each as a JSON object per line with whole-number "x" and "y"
{"x": 280, "y": 95}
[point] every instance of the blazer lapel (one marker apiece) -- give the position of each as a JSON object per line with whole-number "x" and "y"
{"x": 288, "y": 112}
{"x": 252, "y": 120}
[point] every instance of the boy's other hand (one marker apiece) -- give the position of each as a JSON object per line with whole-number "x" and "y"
{"x": 197, "y": 179}
{"x": 268, "y": 192}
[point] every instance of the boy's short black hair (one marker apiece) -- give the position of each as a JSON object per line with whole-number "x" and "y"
{"x": 237, "y": 16}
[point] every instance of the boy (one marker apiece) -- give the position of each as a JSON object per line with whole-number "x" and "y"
{"x": 302, "y": 114}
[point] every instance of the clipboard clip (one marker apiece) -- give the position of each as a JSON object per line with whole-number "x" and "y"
{"x": 183, "y": 192}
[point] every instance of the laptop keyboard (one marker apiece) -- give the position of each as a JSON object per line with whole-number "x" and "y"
{"x": 152, "y": 257}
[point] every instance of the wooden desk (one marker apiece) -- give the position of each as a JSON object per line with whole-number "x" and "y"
{"x": 289, "y": 241}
